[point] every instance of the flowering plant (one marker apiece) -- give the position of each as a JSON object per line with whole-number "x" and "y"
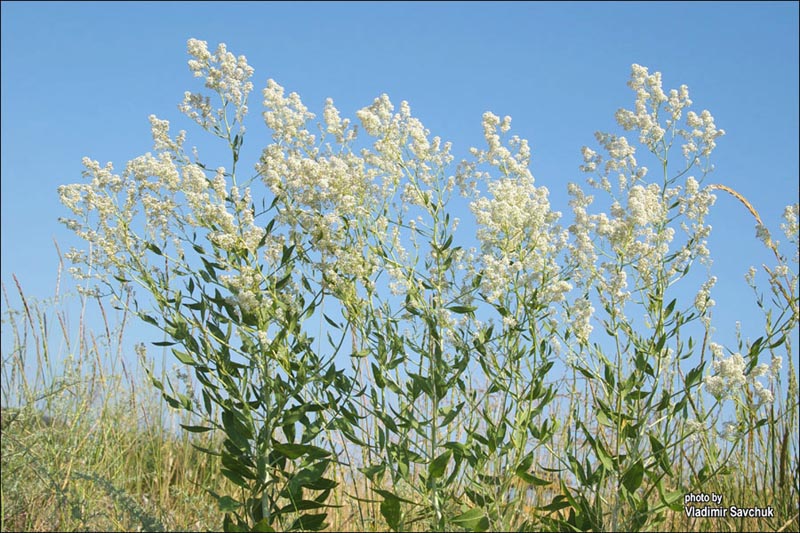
{"x": 450, "y": 398}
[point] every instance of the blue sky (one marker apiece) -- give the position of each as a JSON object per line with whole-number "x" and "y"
{"x": 81, "y": 78}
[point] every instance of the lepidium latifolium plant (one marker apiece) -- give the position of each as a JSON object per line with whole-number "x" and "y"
{"x": 232, "y": 295}
{"x": 342, "y": 320}
{"x": 641, "y": 380}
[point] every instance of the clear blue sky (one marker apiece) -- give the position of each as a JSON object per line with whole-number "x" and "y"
{"x": 81, "y": 78}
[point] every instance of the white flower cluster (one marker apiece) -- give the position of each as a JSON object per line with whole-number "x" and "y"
{"x": 247, "y": 285}
{"x": 161, "y": 139}
{"x": 695, "y": 204}
{"x": 343, "y": 203}
{"x": 508, "y": 162}
{"x": 226, "y": 75}
{"x": 103, "y": 224}
{"x": 790, "y": 228}
{"x": 173, "y": 193}
{"x": 635, "y": 234}
{"x": 244, "y": 233}
{"x": 324, "y": 194}
{"x": 403, "y": 148}
{"x": 582, "y": 312}
{"x": 729, "y": 377}
{"x": 636, "y": 231}
{"x": 287, "y": 116}
{"x": 519, "y": 238}
{"x": 702, "y": 300}
{"x": 649, "y": 98}
{"x": 652, "y": 103}
{"x": 335, "y": 126}
{"x": 703, "y": 136}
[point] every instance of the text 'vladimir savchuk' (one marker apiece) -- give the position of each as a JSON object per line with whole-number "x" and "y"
{"x": 731, "y": 511}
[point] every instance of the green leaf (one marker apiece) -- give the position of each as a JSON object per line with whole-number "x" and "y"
{"x": 235, "y": 430}
{"x": 632, "y": 479}
{"x": 183, "y": 357}
{"x": 777, "y": 343}
{"x": 450, "y": 413}
{"x": 473, "y": 520}
{"x": 439, "y": 465}
{"x": 694, "y": 375}
{"x": 263, "y": 525}
{"x": 374, "y": 471}
{"x": 293, "y": 451}
{"x": 237, "y": 464}
{"x": 390, "y": 509}
{"x": 208, "y": 451}
{"x": 530, "y": 479}
{"x": 148, "y": 319}
{"x": 228, "y": 504}
{"x": 216, "y": 331}
{"x": 462, "y": 309}
{"x": 302, "y": 505}
{"x": 153, "y": 248}
{"x": 602, "y": 418}
{"x": 287, "y": 253}
{"x": 660, "y": 344}
{"x": 310, "y": 522}
{"x": 556, "y": 504}
{"x": 670, "y": 308}
{"x": 330, "y": 321}
{"x": 236, "y": 478}
{"x": 196, "y": 429}
{"x": 163, "y": 343}
{"x": 377, "y": 375}
{"x": 311, "y": 477}
{"x": 605, "y": 459}
{"x": 673, "y": 500}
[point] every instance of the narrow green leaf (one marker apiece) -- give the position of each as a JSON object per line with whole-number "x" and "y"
{"x": 196, "y": 429}
{"x": 183, "y": 357}
{"x": 331, "y": 322}
{"x": 148, "y": 319}
{"x": 293, "y": 451}
{"x": 310, "y": 522}
{"x": 462, "y": 309}
{"x": 163, "y": 343}
{"x": 530, "y": 479}
{"x": 670, "y": 308}
{"x": 605, "y": 459}
{"x": 473, "y": 520}
{"x": 673, "y": 500}
{"x": 287, "y": 253}
{"x": 153, "y": 248}
{"x": 236, "y": 478}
